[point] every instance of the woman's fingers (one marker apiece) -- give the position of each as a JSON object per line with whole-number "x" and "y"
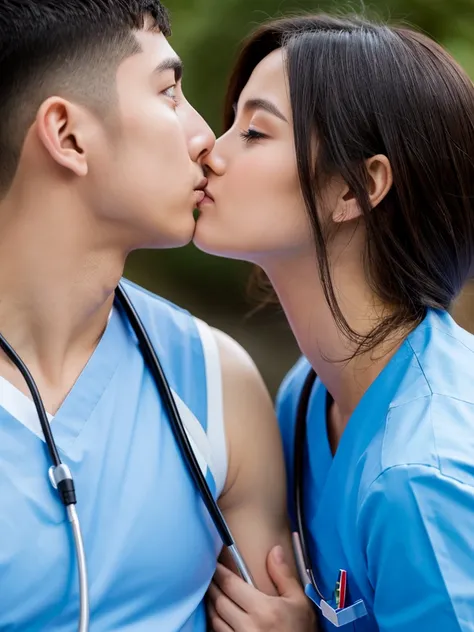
{"x": 217, "y": 624}
{"x": 226, "y": 609}
{"x": 241, "y": 593}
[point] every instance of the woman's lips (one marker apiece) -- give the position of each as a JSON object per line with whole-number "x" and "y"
{"x": 207, "y": 199}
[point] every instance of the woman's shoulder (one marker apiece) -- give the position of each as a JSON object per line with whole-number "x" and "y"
{"x": 444, "y": 353}
{"x": 287, "y": 401}
{"x": 433, "y": 431}
{"x": 423, "y": 462}
{"x": 430, "y": 421}
{"x": 290, "y": 390}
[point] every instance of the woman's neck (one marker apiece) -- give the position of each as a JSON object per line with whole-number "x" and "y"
{"x": 330, "y": 352}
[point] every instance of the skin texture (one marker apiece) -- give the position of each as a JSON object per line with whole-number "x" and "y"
{"x": 87, "y": 192}
{"x": 257, "y": 214}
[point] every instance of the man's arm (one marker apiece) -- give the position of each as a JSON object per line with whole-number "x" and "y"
{"x": 254, "y": 504}
{"x": 254, "y": 497}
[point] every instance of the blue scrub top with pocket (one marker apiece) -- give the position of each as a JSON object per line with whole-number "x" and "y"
{"x": 394, "y": 507}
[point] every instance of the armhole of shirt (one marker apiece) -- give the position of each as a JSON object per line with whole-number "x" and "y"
{"x": 215, "y": 406}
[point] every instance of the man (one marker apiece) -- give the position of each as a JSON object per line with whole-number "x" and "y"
{"x": 100, "y": 155}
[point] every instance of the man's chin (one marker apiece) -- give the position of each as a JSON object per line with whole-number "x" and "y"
{"x": 166, "y": 242}
{"x": 178, "y": 243}
{"x": 180, "y": 239}
{"x": 209, "y": 246}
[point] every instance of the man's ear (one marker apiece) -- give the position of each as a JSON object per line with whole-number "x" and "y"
{"x": 61, "y": 128}
{"x": 379, "y": 183}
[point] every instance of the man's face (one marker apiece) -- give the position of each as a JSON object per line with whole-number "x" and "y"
{"x": 146, "y": 165}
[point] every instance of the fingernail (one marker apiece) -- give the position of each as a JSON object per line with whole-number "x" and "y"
{"x": 278, "y": 555}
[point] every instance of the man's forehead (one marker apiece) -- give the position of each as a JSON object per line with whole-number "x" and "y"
{"x": 155, "y": 57}
{"x": 156, "y": 52}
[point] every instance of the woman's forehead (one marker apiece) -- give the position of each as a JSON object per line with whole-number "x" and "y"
{"x": 268, "y": 80}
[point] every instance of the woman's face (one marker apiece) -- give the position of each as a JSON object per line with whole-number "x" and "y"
{"x": 257, "y": 211}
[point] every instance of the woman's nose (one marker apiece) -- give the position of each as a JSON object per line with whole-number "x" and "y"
{"x": 215, "y": 161}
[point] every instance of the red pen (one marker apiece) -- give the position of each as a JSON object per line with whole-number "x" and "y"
{"x": 341, "y": 590}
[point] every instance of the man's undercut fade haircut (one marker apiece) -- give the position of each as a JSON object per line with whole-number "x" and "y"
{"x": 67, "y": 48}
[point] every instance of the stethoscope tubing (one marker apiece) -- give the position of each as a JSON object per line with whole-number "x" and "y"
{"x": 177, "y": 426}
{"x": 43, "y": 418}
{"x": 179, "y": 431}
{"x": 84, "y": 609}
{"x": 298, "y": 469}
{"x": 338, "y": 616}
{"x": 62, "y": 481}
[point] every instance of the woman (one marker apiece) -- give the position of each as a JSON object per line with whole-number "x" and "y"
{"x": 346, "y": 173}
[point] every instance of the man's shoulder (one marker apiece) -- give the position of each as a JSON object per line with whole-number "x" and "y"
{"x": 159, "y": 315}
{"x": 236, "y": 361}
{"x": 179, "y": 338}
{"x": 146, "y": 300}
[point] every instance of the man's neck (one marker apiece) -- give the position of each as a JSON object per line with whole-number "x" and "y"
{"x": 57, "y": 284}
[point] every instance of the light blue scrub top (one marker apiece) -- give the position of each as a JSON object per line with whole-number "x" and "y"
{"x": 395, "y": 506}
{"x": 149, "y": 543}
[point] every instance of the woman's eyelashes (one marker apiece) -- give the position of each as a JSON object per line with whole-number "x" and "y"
{"x": 251, "y": 135}
{"x": 170, "y": 93}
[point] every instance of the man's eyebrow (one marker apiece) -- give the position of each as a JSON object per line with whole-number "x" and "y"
{"x": 171, "y": 63}
{"x": 262, "y": 104}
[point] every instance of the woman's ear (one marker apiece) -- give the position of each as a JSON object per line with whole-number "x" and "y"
{"x": 379, "y": 183}
{"x": 60, "y": 128}
{"x": 380, "y": 178}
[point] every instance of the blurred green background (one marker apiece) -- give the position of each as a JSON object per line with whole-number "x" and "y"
{"x": 207, "y": 34}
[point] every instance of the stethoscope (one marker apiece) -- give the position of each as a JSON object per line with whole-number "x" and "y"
{"x": 61, "y": 477}
{"x": 334, "y": 609}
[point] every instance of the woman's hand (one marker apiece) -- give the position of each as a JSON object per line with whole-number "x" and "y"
{"x": 234, "y": 606}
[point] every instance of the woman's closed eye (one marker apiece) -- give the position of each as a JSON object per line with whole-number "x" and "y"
{"x": 251, "y": 135}
{"x": 170, "y": 93}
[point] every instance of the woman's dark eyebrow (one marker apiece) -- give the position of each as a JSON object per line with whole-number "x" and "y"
{"x": 262, "y": 104}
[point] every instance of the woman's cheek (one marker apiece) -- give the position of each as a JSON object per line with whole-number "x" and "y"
{"x": 260, "y": 170}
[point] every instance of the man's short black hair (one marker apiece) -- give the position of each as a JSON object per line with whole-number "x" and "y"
{"x": 62, "y": 47}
